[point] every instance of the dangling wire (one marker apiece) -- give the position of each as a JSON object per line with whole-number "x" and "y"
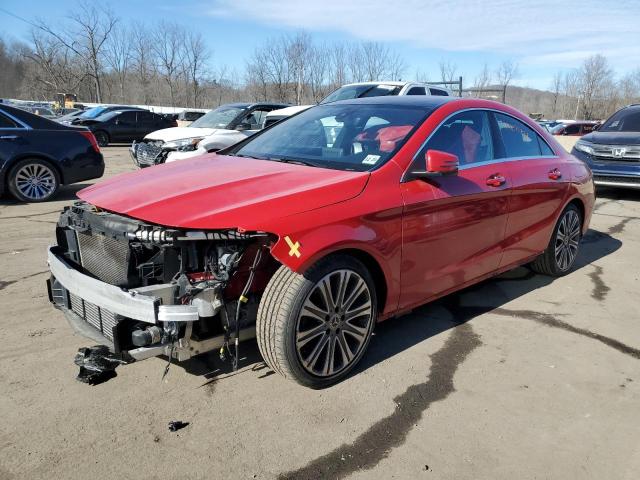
{"x": 244, "y": 299}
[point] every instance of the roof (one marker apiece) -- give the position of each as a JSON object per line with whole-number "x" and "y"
{"x": 254, "y": 104}
{"x": 427, "y": 101}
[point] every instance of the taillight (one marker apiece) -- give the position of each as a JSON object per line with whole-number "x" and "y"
{"x": 92, "y": 139}
{"x": 174, "y": 123}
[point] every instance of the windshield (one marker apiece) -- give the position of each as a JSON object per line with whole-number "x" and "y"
{"x": 93, "y": 112}
{"x": 221, "y": 117}
{"x": 359, "y": 91}
{"x": 342, "y": 137}
{"x": 625, "y": 120}
{"x": 106, "y": 116}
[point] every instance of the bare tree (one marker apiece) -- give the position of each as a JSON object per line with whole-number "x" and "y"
{"x": 596, "y": 78}
{"x": 319, "y": 64}
{"x": 299, "y": 50}
{"x": 505, "y": 72}
{"x": 338, "y": 65}
{"x": 89, "y": 29}
{"x": 196, "y": 56}
{"x": 448, "y": 70}
{"x": 118, "y": 55}
{"x": 167, "y": 47}
{"x": 556, "y": 85}
{"x": 482, "y": 80}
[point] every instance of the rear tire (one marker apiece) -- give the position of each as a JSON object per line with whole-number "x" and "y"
{"x": 102, "y": 138}
{"x": 33, "y": 180}
{"x": 314, "y": 328}
{"x": 562, "y": 251}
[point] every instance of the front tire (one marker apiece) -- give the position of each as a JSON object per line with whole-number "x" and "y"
{"x": 562, "y": 251}
{"x": 314, "y": 328}
{"x": 33, "y": 180}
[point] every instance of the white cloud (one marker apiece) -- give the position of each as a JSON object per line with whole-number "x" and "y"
{"x": 532, "y": 31}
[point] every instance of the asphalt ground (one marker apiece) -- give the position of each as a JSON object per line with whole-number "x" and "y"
{"x": 520, "y": 377}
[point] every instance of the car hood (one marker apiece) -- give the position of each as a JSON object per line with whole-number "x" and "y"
{"x": 216, "y": 191}
{"x": 613, "y": 138}
{"x": 179, "y": 133}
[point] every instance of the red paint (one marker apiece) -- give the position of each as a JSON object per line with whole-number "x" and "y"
{"x": 428, "y": 237}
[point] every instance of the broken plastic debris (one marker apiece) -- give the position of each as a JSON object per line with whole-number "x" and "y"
{"x": 97, "y": 364}
{"x": 177, "y": 425}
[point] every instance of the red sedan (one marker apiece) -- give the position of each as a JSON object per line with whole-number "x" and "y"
{"x": 311, "y": 231}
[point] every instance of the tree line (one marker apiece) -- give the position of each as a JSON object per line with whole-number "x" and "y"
{"x": 96, "y": 55}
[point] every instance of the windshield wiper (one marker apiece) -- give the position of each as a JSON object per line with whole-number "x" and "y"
{"x": 292, "y": 160}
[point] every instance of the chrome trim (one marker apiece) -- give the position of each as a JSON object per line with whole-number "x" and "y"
{"x": 117, "y": 300}
{"x": 488, "y": 162}
{"x": 17, "y": 120}
{"x": 607, "y": 183}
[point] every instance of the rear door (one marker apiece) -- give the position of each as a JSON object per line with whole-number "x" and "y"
{"x": 123, "y": 127}
{"x": 453, "y": 226}
{"x": 540, "y": 183}
{"x": 147, "y": 122}
{"x": 10, "y": 138}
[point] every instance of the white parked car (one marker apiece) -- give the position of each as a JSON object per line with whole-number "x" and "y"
{"x": 219, "y": 128}
{"x": 381, "y": 89}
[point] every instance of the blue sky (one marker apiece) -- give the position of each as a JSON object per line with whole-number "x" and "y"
{"x": 541, "y": 36}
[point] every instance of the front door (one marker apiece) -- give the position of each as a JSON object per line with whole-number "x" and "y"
{"x": 453, "y": 226}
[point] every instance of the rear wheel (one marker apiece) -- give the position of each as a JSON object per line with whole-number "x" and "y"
{"x": 314, "y": 328}
{"x": 33, "y": 180}
{"x": 562, "y": 251}
{"x": 102, "y": 138}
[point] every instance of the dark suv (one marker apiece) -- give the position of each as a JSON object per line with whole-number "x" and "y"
{"x": 613, "y": 151}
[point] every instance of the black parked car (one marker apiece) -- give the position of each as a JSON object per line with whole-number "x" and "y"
{"x": 613, "y": 151}
{"x": 38, "y": 155}
{"x": 125, "y": 125}
{"x": 95, "y": 112}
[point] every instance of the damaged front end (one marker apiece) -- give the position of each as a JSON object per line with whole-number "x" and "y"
{"x": 146, "y": 290}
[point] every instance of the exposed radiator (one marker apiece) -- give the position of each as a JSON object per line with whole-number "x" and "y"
{"x": 106, "y": 258}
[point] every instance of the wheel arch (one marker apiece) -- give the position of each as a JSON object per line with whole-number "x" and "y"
{"x": 579, "y": 204}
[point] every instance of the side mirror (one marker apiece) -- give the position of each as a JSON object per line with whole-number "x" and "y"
{"x": 117, "y": 122}
{"x": 241, "y": 127}
{"x": 438, "y": 163}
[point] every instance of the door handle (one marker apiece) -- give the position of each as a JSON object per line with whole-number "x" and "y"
{"x": 8, "y": 137}
{"x": 496, "y": 180}
{"x": 555, "y": 174}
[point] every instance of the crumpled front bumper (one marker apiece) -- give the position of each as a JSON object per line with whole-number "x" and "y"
{"x": 127, "y": 303}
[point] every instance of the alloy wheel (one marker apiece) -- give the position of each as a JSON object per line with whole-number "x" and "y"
{"x": 334, "y": 323}
{"x": 35, "y": 181}
{"x": 567, "y": 240}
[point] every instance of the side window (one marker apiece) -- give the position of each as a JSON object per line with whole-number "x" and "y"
{"x": 146, "y": 117}
{"x": 416, "y": 91}
{"x": 587, "y": 128}
{"x": 127, "y": 118}
{"x": 518, "y": 139}
{"x": 467, "y": 135}
{"x": 256, "y": 117}
{"x": 6, "y": 122}
{"x": 439, "y": 93}
{"x": 545, "y": 149}
{"x": 572, "y": 129}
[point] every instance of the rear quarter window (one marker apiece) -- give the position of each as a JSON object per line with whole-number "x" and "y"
{"x": 6, "y": 122}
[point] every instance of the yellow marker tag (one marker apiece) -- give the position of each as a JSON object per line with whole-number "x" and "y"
{"x": 295, "y": 247}
{"x": 243, "y": 299}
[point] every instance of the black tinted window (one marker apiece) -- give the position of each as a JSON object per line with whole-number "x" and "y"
{"x": 467, "y": 135}
{"x": 571, "y": 129}
{"x": 127, "y": 117}
{"x": 417, "y": 91}
{"x": 518, "y": 139}
{"x": 6, "y": 122}
{"x": 439, "y": 93}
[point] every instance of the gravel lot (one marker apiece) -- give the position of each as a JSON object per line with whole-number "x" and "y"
{"x": 519, "y": 377}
